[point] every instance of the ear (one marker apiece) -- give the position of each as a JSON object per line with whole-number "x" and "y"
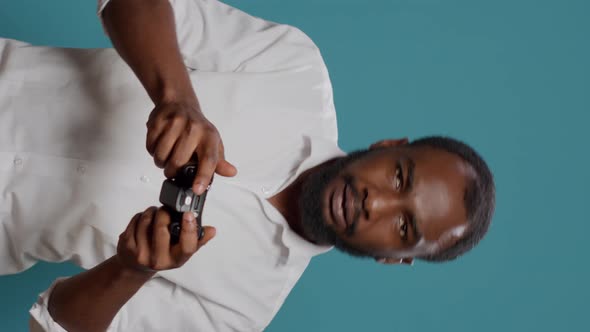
{"x": 392, "y": 261}
{"x": 386, "y": 143}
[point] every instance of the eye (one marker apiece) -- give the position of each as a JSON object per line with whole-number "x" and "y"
{"x": 403, "y": 227}
{"x": 398, "y": 178}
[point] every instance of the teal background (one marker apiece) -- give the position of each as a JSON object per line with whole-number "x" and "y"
{"x": 511, "y": 77}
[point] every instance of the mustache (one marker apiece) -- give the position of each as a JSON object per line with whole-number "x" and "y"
{"x": 356, "y": 198}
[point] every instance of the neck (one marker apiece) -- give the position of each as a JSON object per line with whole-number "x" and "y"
{"x": 287, "y": 203}
{"x": 287, "y": 200}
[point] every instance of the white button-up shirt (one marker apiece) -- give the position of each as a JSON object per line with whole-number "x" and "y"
{"x": 74, "y": 169}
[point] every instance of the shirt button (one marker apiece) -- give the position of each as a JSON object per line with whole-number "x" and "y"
{"x": 144, "y": 179}
{"x": 81, "y": 169}
{"x": 18, "y": 161}
{"x": 265, "y": 190}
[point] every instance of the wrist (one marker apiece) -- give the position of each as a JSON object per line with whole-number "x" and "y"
{"x": 132, "y": 272}
{"x": 177, "y": 90}
{"x": 176, "y": 96}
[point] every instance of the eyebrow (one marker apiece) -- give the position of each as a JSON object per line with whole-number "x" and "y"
{"x": 409, "y": 173}
{"x": 415, "y": 230}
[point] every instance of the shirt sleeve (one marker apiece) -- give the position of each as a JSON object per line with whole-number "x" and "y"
{"x": 216, "y": 37}
{"x": 41, "y": 320}
{"x": 159, "y": 305}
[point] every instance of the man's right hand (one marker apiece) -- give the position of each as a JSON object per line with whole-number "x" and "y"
{"x": 90, "y": 300}
{"x": 179, "y": 130}
{"x": 145, "y": 245}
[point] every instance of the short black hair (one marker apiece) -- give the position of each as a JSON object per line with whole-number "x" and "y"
{"x": 479, "y": 198}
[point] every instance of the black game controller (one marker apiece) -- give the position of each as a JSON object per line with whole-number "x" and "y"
{"x": 176, "y": 194}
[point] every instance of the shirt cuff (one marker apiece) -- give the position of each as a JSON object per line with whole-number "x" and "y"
{"x": 41, "y": 320}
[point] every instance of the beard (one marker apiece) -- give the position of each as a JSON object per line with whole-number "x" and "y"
{"x": 310, "y": 204}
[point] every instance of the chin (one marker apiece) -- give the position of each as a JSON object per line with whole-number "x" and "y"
{"x": 312, "y": 204}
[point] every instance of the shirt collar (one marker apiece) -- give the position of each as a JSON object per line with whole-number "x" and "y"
{"x": 319, "y": 151}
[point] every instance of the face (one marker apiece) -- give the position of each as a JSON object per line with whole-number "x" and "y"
{"x": 397, "y": 202}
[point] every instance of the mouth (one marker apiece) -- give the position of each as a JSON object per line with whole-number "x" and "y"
{"x": 336, "y": 207}
{"x": 343, "y": 206}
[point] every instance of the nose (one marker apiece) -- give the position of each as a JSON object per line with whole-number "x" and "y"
{"x": 380, "y": 203}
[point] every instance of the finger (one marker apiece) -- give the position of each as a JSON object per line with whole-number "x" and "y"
{"x": 130, "y": 229}
{"x": 155, "y": 127}
{"x": 153, "y": 114}
{"x": 128, "y": 234}
{"x": 209, "y": 233}
{"x": 182, "y": 153}
{"x": 161, "y": 240}
{"x": 208, "y": 158}
{"x": 188, "y": 240}
{"x": 224, "y": 168}
{"x": 167, "y": 140}
{"x": 142, "y": 231}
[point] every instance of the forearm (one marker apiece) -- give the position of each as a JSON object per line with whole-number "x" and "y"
{"x": 89, "y": 301}
{"x": 144, "y": 34}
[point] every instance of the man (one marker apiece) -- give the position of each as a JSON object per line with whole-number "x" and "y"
{"x": 71, "y": 128}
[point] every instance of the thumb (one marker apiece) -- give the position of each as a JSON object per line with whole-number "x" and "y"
{"x": 209, "y": 234}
